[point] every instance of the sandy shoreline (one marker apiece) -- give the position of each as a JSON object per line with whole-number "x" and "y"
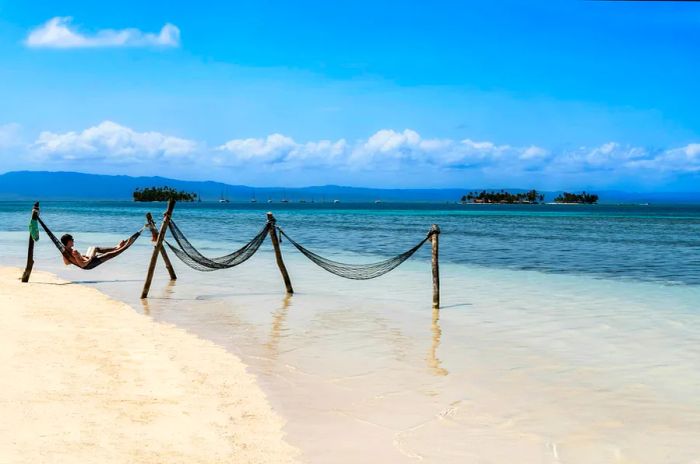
{"x": 84, "y": 378}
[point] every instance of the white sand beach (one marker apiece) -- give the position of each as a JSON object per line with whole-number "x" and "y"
{"x": 517, "y": 366}
{"x": 86, "y": 379}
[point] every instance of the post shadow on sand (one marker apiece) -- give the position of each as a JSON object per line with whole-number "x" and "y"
{"x": 166, "y": 294}
{"x": 88, "y": 282}
{"x": 434, "y": 363}
{"x": 278, "y": 321}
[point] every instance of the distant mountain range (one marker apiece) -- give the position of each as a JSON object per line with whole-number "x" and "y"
{"x": 42, "y": 185}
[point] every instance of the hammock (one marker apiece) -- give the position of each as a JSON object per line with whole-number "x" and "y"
{"x": 357, "y": 271}
{"x": 189, "y": 255}
{"x": 96, "y": 259}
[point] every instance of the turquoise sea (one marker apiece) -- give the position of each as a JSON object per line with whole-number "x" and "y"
{"x": 567, "y": 334}
{"x": 646, "y": 243}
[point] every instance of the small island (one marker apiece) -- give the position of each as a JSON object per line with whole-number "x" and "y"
{"x": 531, "y": 197}
{"x": 582, "y": 198}
{"x": 162, "y": 194}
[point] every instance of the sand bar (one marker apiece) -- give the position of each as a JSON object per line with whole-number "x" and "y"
{"x": 84, "y": 378}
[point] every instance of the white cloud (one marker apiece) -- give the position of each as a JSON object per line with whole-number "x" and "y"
{"x": 533, "y": 153}
{"x": 112, "y": 142}
{"x": 610, "y": 156}
{"x": 273, "y": 148}
{"x": 58, "y": 32}
{"x": 384, "y": 154}
{"x": 385, "y": 149}
{"x": 683, "y": 159}
{"x": 277, "y": 149}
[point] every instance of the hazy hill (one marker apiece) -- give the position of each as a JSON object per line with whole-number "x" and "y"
{"x": 42, "y": 185}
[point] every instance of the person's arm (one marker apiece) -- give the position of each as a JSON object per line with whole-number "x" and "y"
{"x": 78, "y": 259}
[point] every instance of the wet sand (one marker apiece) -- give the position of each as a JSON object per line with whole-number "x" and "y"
{"x": 84, "y": 378}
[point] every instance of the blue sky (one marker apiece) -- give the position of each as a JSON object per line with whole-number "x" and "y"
{"x": 556, "y": 94}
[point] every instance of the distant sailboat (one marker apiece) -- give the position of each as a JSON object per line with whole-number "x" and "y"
{"x": 284, "y": 197}
{"x": 223, "y": 199}
{"x": 253, "y": 200}
{"x": 336, "y": 201}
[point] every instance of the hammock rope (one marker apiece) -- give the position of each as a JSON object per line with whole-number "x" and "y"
{"x": 189, "y": 255}
{"x": 98, "y": 258}
{"x": 357, "y": 271}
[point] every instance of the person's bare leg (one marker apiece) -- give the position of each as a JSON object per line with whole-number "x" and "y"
{"x": 117, "y": 250}
{"x": 102, "y": 250}
{"x": 110, "y": 254}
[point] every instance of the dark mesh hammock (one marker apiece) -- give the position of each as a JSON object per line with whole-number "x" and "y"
{"x": 189, "y": 255}
{"x": 98, "y": 258}
{"x": 357, "y": 271}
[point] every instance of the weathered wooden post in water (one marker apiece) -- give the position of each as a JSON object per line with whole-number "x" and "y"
{"x": 163, "y": 253}
{"x": 278, "y": 253}
{"x": 30, "y": 249}
{"x": 157, "y": 247}
{"x": 434, "y": 238}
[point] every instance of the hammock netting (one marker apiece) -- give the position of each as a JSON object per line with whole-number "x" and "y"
{"x": 356, "y": 271}
{"x": 98, "y": 258}
{"x": 189, "y": 255}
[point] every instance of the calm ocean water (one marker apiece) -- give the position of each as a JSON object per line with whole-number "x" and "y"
{"x": 568, "y": 334}
{"x": 645, "y": 243}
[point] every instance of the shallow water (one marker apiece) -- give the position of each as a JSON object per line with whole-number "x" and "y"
{"x": 649, "y": 243}
{"x": 560, "y": 365}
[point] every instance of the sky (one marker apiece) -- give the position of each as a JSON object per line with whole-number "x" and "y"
{"x": 565, "y": 94}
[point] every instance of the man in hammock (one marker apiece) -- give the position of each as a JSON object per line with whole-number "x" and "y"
{"x": 73, "y": 256}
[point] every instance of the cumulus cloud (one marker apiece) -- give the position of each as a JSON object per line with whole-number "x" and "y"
{"x": 58, "y": 32}
{"x": 277, "y": 149}
{"x": 684, "y": 159}
{"x": 111, "y": 142}
{"x": 385, "y": 149}
{"x": 533, "y": 153}
{"x": 379, "y": 155}
{"x": 610, "y": 156}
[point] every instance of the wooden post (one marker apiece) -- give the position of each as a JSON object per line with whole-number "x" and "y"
{"x": 435, "y": 234}
{"x": 163, "y": 253}
{"x": 278, "y": 253}
{"x": 30, "y": 249}
{"x": 157, "y": 247}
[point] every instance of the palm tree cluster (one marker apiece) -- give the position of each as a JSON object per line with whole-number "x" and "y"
{"x": 583, "y": 197}
{"x": 530, "y": 197}
{"x": 162, "y": 194}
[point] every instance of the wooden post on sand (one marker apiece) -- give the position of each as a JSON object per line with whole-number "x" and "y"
{"x": 435, "y": 234}
{"x": 163, "y": 253}
{"x": 157, "y": 247}
{"x": 278, "y": 253}
{"x": 30, "y": 249}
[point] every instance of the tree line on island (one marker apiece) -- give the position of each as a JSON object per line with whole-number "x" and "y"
{"x": 531, "y": 197}
{"x": 491, "y": 197}
{"x": 163, "y": 194}
{"x": 583, "y": 197}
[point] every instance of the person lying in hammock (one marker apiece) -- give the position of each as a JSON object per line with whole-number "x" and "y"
{"x": 73, "y": 256}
